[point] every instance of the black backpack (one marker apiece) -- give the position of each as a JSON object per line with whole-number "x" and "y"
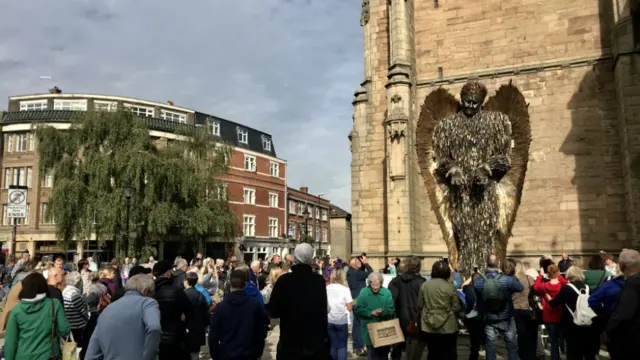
{"x": 492, "y": 294}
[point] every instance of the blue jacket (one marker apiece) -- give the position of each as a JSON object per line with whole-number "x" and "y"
{"x": 251, "y": 288}
{"x": 204, "y": 293}
{"x": 603, "y": 300}
{"x": 237, "y": 329}
{"x": 508, "y": 285}
{"x": 127, "y": 329}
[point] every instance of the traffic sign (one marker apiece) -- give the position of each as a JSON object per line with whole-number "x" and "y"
{"x": 17, "y": 202}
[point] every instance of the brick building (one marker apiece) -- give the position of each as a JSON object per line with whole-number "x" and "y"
{"x": 309, "y": 214}
{"x": 575, "y": 62}
{"x": 256, "y": 179}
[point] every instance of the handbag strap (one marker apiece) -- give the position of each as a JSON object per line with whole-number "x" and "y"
{"x": 53, "y": 328}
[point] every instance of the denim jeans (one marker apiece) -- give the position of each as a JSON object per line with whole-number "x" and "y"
{"x": 527, "y": 335}
{"x": 506, "y": 329}
{"x": 338, "y": 338}
{"x": 356, "y": 333}
{"x": 554, "y": 332}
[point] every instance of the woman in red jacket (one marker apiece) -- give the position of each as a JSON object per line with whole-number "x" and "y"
{"x": 547, "y": 288}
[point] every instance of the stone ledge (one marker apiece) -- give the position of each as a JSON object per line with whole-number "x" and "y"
{"x": 514, "y": 71}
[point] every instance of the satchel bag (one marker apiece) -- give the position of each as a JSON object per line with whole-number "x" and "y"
{"x": 54, "y": 343}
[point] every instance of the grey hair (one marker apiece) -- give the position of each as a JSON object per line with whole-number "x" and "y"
{"x": 141, "y": 283}
{"x": 375, "y": 276}
{"x": 303, "y": 254}
{"x": 629, "y": 259}
{"x": 256, "y": 263}
{"x": 180, "y": 263}
{"x": 73, "y": 278}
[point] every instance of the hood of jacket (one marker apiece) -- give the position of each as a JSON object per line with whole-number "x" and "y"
{"x": 407, "y": 278}
{"x": 251, "y": 289}
{"x": 34, "y": 305}
{"x": 163, "y": 281}
{"x": 237, "y": 298}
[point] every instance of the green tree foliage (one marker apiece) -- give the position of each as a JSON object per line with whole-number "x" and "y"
{"x": 175, "y": 184}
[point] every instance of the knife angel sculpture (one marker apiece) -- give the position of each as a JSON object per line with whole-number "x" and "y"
{"x": 473, "y": 159}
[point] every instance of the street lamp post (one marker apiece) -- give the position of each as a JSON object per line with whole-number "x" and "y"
{"x": 318, "y": 223}
{"x": 306, "y": 219}
{"x": 128, "y": 190}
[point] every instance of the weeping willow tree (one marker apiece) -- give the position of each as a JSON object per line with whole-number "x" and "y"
{"x": 174, "y": 186}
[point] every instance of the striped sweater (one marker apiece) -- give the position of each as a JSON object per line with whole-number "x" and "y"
{"x": 75, "y": 307}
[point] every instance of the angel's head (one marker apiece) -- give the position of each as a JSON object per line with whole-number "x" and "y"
{"x": 472, "y": 97}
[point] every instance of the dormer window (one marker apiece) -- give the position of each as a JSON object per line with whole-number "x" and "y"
{"x": 214, "y": 127}
{"x": 266, "y": 143}
{"x": 243, "y": 136}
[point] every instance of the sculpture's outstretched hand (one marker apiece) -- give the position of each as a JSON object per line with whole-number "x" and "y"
{"x": 483, "y": 174}
{"x": 455, "y": 176}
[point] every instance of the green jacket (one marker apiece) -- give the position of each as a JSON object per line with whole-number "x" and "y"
{"x": 367, "y": 302}
{"x": 28, "y": 334}
{"x": 439, "y": 305}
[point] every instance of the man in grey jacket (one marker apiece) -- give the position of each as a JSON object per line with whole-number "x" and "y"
{"x": 130, "y": 327}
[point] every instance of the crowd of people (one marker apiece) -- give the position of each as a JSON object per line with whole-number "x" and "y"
{"x": 172, "y": 309}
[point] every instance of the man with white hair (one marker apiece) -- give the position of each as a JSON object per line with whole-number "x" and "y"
{"x": 180, "y": 273}
{"x": 130, "y": 327}
{"x": 299, "y": 300}
{"x": 623, "y": 328}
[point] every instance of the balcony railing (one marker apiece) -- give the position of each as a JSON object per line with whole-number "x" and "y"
{"x": 65, "y": 116}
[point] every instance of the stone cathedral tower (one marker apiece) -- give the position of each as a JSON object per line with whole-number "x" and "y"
{"x": 577, "y": 64}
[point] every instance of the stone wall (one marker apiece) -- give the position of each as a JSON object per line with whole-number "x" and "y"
{"x": 578, "y": 192}
{"x": 465, "y": 37}
{"x": 573, "y": 197}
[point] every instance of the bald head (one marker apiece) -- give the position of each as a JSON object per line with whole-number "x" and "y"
{"x": 493, "y": 262}
{"x": 629, "y": 262}
{"x": 55, "y": 276}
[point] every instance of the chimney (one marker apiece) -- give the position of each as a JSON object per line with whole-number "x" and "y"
{"x": 55, "y": 90}
{"x": 170, "y": 102}
{"x": 304, "y": 189}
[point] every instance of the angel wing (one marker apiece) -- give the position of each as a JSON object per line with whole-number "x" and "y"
{"x": 510, "y": 101}
{"x": 439, "y": 104}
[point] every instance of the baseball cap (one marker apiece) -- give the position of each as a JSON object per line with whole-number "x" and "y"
{"x": 67, "y": 268}
{"x": 162, "y": 267}
{"x": 139, "y": 270}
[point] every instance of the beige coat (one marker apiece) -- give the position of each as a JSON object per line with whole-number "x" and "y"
{"x": 11, "y": 301}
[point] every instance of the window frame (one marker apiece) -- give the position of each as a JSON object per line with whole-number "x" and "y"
{"x": 44, "y": 209}
{"x": 111, "y": 106}
{"x": 73, "y": 104}
{"x": 213, "y": 126}
{"x": 273, "y": 195}
{"x": 251, "y": 223}
{"x": 21, "y": 142}
{"x": 242, "y": 135}
{"x": 9, "y": 140}
{"x": 43, "y": 104}
{"x": 172, "y": 115}
{"x": 266, "y": 143}
{"x": 31, "y": 140}
{"x": 273, "y": 227}
{"x": 252, "y": 161}
{"x": 273, "y": 173}
{"x": 251, "y": 194}
{"x": 295, "y": 207}
{"x": 146, "y": 109}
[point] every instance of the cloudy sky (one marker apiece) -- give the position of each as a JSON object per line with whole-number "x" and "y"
{"x": 286, "y": 67}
